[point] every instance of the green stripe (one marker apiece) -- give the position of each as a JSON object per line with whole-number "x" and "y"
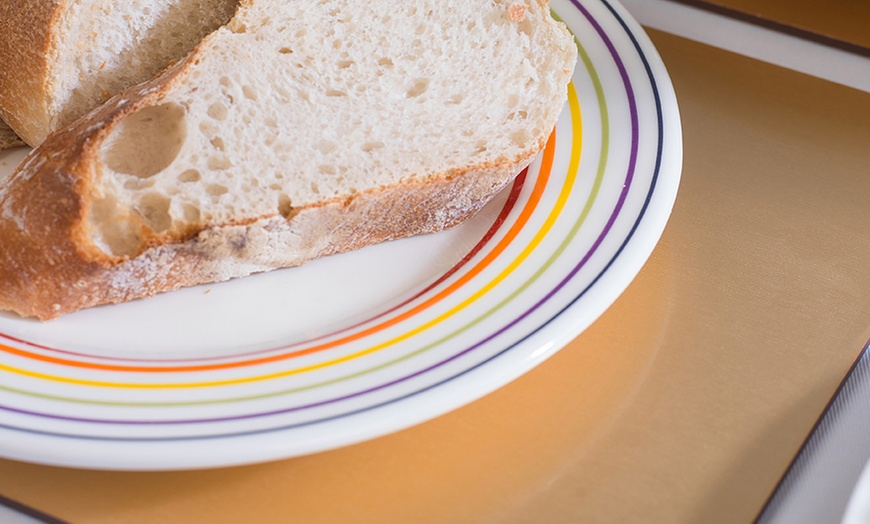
{"x": 605, "y": 145}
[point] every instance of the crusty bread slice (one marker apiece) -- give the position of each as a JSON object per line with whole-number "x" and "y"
{"x": 60, "y": 59}
{"x": 299, "y": 130}
{"x": 8, "y": 138}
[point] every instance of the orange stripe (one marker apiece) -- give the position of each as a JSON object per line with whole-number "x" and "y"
{"x": 534, "y": 199}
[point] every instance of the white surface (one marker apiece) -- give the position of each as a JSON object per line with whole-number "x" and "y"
{"x": 10, "y": 516}
{"x": 858, "y": 509}
{"x": 821, "y": 481}
{"x": 155, "y": 384}
{"x": 751, "y": 40}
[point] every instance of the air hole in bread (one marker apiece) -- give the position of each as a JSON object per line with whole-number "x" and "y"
{"x": 385, "y": 62}
{"x": 326, "y": 169}
{"x": 218, "y": 143}
{"x": 112, "y": 230}
{"x": 335, "y": 92}
{"x": 249, "y": 92}
{"x": 146, "y": 142}
{"x": 219, "y": 163}
{"x": 216, "y": 190}
{"x": 285, "y": 51}
{"x": 344, "y": 64}
{"x": 455, "y": 99}
{"x": 218, "y": 111}
{"x": 520, "y": 137}
{"x": 190, "y": 176}
{"x": 420, "y": 86}
{"x": 368, "y": 147}
{"x": 285, "y": 206}
{"x": 192, "y": 213}
{"x": 153, "y": 208}
{"x": 526, "y": 26}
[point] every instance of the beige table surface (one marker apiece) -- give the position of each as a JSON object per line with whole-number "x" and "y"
{"x": 742, "y": 325}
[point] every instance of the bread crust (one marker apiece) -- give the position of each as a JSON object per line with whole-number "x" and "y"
{"x": 68, "y": 279}
{"x": 54, "y": 273}
{"x": 27, "y": 27}
{"x": 8, "y": 138}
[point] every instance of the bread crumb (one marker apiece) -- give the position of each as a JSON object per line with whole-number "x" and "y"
{"x": 517, "y": 12}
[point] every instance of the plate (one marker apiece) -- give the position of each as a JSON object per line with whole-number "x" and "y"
{"x": 359, "y": 345}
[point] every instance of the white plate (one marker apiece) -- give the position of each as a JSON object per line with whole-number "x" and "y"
{"x": 362, "y": 344}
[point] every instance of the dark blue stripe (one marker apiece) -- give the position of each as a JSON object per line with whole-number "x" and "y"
{"x": 653, "y": 184}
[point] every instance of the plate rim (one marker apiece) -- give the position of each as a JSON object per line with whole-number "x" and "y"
{"x": 564, "y": 328}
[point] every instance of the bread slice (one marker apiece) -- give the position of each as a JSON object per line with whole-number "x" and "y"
{"x": 8, "y": 138}
{"x": 301, "y": 129}
{"x": 60, "y": 59}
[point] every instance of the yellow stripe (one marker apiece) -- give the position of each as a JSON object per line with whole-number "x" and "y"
{"x": 573, "y": 167}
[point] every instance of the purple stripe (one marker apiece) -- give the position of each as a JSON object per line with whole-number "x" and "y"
{"x": 629, "y": 178}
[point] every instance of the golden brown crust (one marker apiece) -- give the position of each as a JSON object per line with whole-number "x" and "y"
{"x": 45, "y": 272}
{"x": 8, "y": 138}
{"x": 26, "y": 27}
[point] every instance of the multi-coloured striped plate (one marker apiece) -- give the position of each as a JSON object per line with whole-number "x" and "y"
{"x": 359, "y": 345}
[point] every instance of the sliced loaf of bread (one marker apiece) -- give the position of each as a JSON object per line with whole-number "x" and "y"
{"x": 60, "y": 59}
{"x": 301, "y": 129}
